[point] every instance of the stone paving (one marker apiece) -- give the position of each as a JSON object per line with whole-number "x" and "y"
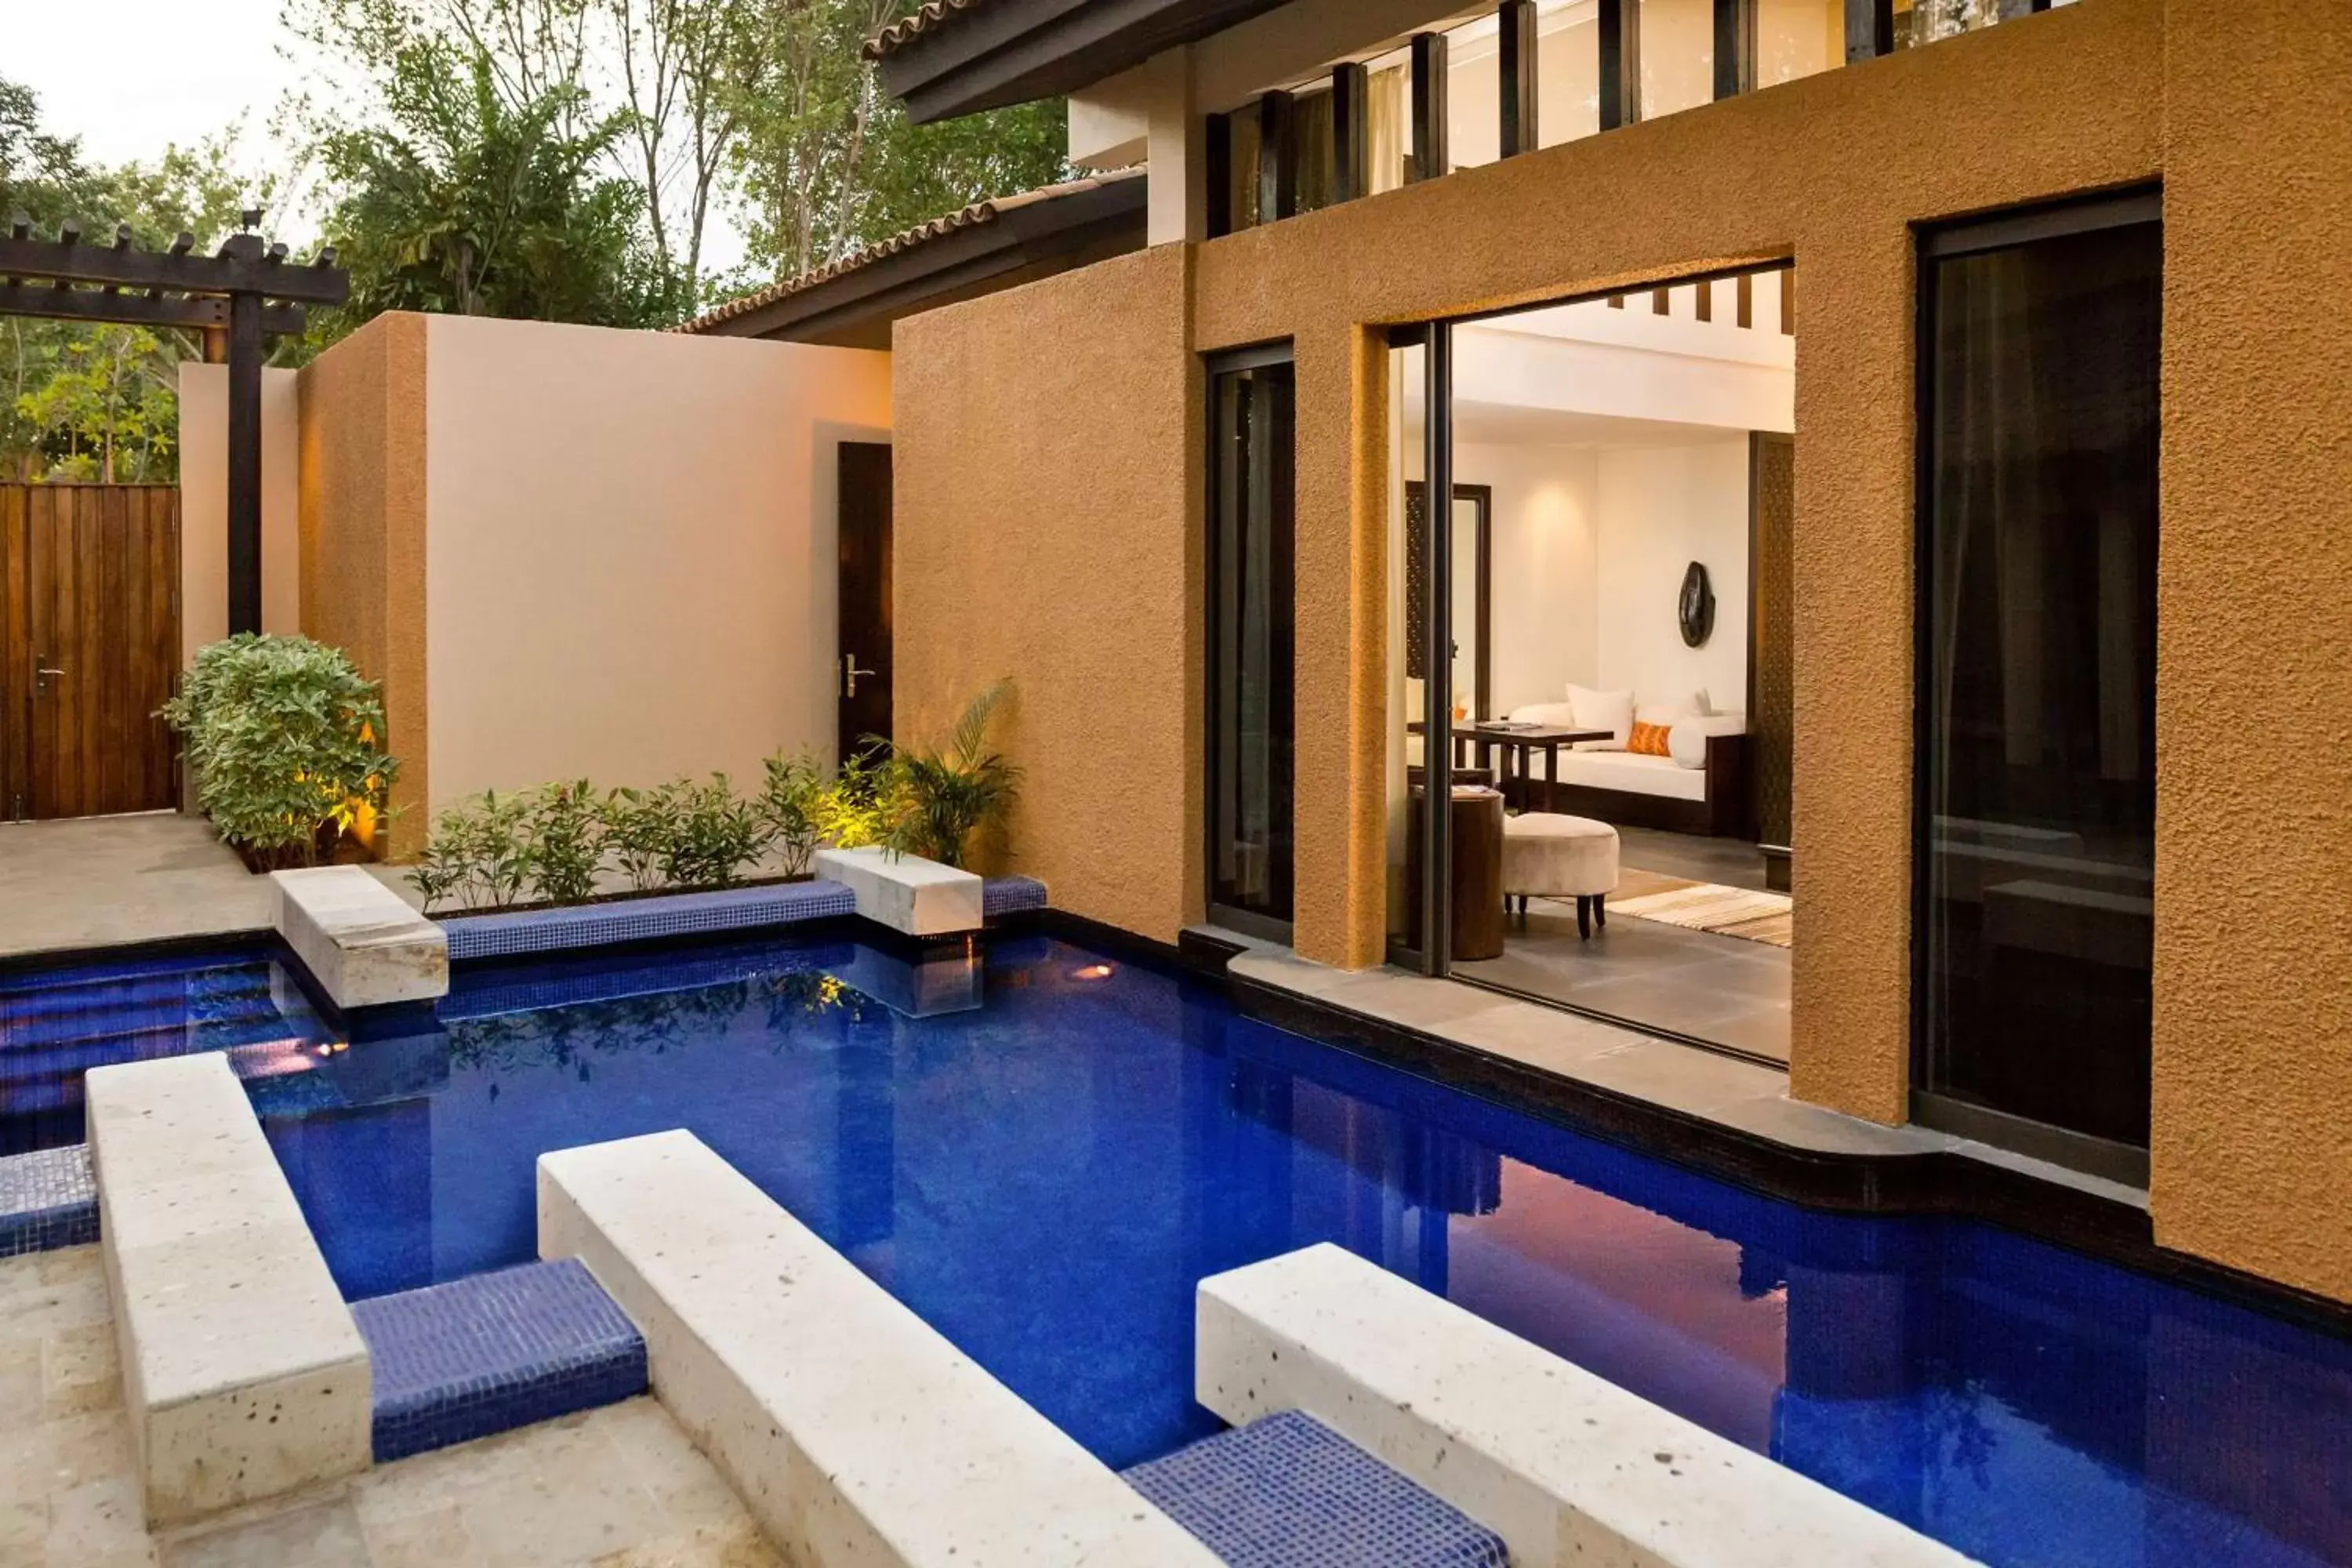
{"x": 96, "y": 881}
{"x": 616, "y": 1487}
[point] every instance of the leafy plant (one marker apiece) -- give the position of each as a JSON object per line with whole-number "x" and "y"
{"x": 713, "y": 837}
{"x": 287, "y": 740}
{"x": 479, "y": 851}
{"x": 857, "y": 808}
{"x": 793, "y": 806}
{"x": 564, "y": 841}
{"x": 637, "y": 832}
{"x": 946, "y": 794}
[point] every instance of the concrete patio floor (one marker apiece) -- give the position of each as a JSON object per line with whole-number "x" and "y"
{"x": 616, "y": 1487}
{"x": 97, "y": 882}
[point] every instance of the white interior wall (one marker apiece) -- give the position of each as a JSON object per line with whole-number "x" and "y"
{"x": 1663, "y": 507}
{"x": 1542, "y": 574}
{"x": 630, "y": 557}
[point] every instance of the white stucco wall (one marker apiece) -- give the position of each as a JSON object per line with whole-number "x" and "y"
{"x": 204, "y": 505}
{"x": 631, "y": 550}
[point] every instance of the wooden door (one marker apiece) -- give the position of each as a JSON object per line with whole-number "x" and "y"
{"x": 90, "y": 641}
{"x": 862, "y": 678}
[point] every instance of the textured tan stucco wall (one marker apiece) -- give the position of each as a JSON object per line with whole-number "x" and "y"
{"x": 363, "y": 531}
{"x": 1832, "y": 170}
{"x": 2253, "y": 1140}
{"x": 1048, "y": 529}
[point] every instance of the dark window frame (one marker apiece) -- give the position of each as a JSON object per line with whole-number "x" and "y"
{"x": 1252, "y": 357}
{"x": 1935, "y": 242}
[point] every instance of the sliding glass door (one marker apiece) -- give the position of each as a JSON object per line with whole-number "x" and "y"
{"x": 1250, "y": 639}
{"x": 2037, "y": 661}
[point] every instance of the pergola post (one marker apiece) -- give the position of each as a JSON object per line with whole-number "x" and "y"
{"x": 244, "y": 463}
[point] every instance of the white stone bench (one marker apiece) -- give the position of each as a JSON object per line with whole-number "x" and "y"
{"x": 242, "y": 1369}
{"x": 1566, "y": 1466}
{"x": 905, "y": 893}
{"x": 855, "y": 1433}
{"x": 359, "y": 939}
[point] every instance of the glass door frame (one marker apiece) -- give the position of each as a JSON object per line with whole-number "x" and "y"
{"x": 1433, "y": 958}
{"x": 1936, "y": 243}
{"x": 1262, "y": 356}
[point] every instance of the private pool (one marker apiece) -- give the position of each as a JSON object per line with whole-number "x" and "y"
{"x": 1041, "y": 1153}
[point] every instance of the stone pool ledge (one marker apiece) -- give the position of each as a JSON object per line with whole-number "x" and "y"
{"x": 1566, "y": 1466}
{"x": 855, "y": 1432}
{"x": 243, "y": 1372}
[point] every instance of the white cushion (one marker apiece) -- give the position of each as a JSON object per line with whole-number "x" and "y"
{"x": 1686, "y": 741}
{"x": 1632, "y": 773}
{"x": 1561, "y": 715}
{"x": 1665, "y": 715}
{"x": 1610, "y": 710}
{"x": 1556, "y": 856}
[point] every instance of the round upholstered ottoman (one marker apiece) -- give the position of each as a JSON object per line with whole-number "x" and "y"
{"x": 1547, "y": 855}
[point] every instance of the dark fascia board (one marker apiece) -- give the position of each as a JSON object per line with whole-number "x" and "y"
{"x": 1017, "y": 51}
{"x": 862, "y": 302}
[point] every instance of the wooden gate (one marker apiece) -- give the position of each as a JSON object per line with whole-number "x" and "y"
{"x": 90, "y": 640}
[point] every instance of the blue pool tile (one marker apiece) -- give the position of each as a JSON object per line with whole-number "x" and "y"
{"x": 47, "y": 1199}
{"x": 464, "y": 1359}
{"x": 1010, "y": 895}
{"x": 1286, "y": 1491}
{"x": 641, "y": 920}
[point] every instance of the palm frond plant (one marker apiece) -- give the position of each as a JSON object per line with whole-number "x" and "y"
{"x": 946, "y": 793}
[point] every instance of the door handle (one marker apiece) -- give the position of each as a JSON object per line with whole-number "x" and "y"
{"x": 41, "y": 674}
{"x": 849, "y": 674}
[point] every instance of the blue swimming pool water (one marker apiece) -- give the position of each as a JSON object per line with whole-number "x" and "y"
{"x": 1044, "y": 1177}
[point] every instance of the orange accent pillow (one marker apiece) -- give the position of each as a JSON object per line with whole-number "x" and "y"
{"x": 1650, "y": 740}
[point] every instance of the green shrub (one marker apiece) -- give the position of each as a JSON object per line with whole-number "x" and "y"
{"x": 481, "y": 850}
{"x": 637, "y": 834}
{"x": 713, "y": 837}
{"x": 938, "y": 796}
{"x": 792, "y": 805}
{"x": 857, "y": 808}
{"x": 287, "y": 742}
{"x": 564, "y": 841}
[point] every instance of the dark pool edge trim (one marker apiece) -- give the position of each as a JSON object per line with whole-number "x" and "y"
{"x": 14, "y": 964}
{"x": 1930, "y": 1182}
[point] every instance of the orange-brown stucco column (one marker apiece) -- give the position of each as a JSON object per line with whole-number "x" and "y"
{"x": 2250, "y": 1150}
{"x": 362, "y": 532}
{"x": 1340, "y": 856}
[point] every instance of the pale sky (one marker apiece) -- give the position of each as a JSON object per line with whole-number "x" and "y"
{"x": 131, "y": 77}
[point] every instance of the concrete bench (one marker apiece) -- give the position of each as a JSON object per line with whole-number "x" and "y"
{"x": 1566, "y": 1466}
{"x": 855, "y": 1433}
{"x": 243, "y": 1372}
{"x": 360, "y": 940}
{"x": 907, "y": 893}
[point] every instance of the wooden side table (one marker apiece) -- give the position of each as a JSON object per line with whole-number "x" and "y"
{"x": 1477, "y": 893}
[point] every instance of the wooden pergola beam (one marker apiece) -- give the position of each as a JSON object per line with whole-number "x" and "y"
{"x": 244, "y": 294}
{"x": 239, "y": 270}
{"x": 196, "y": 312}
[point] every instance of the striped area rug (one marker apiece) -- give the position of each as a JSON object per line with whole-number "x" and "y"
{"x": 1751, "y": 915}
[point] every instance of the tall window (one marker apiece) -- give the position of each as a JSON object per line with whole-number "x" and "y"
{"x": 1250, "y": 638}
{"x": 2037, "y": 756}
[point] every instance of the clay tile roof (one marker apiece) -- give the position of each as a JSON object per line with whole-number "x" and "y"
{"x": 929, "y": 19}
{"x": 979, "y": 213}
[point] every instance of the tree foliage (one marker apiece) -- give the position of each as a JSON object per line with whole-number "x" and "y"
{"x": 93, "y": 401}
{"x": 475, "y": 202}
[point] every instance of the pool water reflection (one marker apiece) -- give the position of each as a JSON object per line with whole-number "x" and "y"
{"x": 1041, "y": 1161}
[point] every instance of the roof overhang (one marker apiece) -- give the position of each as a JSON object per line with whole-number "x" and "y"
{"x": 989, "y": 245}
{"x": 959, "y": 57}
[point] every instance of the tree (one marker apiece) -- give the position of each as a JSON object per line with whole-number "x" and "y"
{"x": 103, "y": 402}
{"x": 677, "y": 60}
{"x": 829, "y": 161}
{"x": 474, "y": 201}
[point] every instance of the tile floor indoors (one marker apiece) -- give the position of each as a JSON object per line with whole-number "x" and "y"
{"x": 1725, "y": 990}
{"x": 616, "y": 1487}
